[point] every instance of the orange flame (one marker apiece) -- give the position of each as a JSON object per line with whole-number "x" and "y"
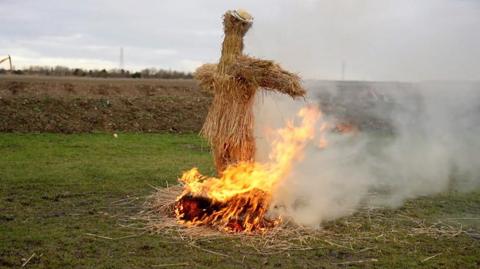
{"x": 240, "y": 198}
{"x": 345, "y": 128}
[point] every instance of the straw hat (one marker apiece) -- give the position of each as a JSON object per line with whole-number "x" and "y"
{"x": 242, "y": 15}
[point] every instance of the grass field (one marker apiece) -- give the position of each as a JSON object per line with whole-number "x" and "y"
{"x": 64, "y": 198}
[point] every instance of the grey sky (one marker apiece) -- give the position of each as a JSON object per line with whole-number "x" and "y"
{"x": 378, "y": 39}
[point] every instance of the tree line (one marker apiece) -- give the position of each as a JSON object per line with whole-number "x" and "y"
{"x": 100, "y": 73}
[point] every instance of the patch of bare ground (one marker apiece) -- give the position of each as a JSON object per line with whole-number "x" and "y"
{"x": 71, "y": 105}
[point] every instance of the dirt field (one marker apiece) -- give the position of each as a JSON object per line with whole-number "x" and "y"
{"x": 69, "y": 105}
{"x": 77, "y": 105}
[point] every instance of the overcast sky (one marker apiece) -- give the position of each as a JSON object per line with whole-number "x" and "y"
{"x": 404, "y": 40}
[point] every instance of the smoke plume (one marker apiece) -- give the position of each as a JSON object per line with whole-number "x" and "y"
{"x": 414, "y": 139}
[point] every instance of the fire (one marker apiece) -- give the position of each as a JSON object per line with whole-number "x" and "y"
{"x": 345, "y": 128}
{"x": 239, "y": 199}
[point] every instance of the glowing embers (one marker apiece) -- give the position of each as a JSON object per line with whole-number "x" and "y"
{"x": 241, "y": 213}
{"x": 346, "y": 128}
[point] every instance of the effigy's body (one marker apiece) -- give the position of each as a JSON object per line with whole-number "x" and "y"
{"x": 234, "y": 82}
{"x": 229, "y": 123}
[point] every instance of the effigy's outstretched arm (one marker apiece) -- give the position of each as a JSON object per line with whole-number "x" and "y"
{"x": 205, "y": 75}
{"x": 268, "y": 75}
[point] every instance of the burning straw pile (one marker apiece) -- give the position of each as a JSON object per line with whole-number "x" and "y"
{"x": 161, "y": 218}
{"x": 238, "y": 200}
{"x": 360, "y": 233}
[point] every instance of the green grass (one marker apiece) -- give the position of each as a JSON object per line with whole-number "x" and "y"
{"x": 58, "y": 190}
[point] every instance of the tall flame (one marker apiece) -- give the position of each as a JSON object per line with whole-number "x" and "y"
{"x": 240, "y": 198}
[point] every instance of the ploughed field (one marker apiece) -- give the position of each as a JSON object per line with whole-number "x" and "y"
{"x": 70, "y": 105}
{"x": 73, "y": 105}
{"x": 72, "y": 201}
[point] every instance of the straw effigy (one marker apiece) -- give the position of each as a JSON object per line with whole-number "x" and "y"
{"x": 234, "y": 88}
{"x": 234, "y": 82}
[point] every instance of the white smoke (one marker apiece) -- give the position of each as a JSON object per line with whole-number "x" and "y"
{"x": 427, "y": 142}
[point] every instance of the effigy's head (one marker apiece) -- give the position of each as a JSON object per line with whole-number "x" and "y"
{"x": 237, "y": 21}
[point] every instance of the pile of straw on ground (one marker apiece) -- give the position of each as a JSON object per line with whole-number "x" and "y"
{"x": 159, "y": 217}
{"x": 360, "y": 232}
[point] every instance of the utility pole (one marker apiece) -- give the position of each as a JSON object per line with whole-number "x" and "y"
{"x": 122, "y": 67}
{"x": 10, "y": 60}
{"x": 344, "y": 69}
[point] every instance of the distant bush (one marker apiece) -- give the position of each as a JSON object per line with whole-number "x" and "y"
{"x": 102, "y": 73}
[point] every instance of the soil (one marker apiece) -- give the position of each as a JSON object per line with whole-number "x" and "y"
{"x": 75, "y": 105}
{"x": 79, "y": 105}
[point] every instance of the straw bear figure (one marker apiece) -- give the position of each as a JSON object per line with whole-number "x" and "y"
{"x": 234, "y": 82}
